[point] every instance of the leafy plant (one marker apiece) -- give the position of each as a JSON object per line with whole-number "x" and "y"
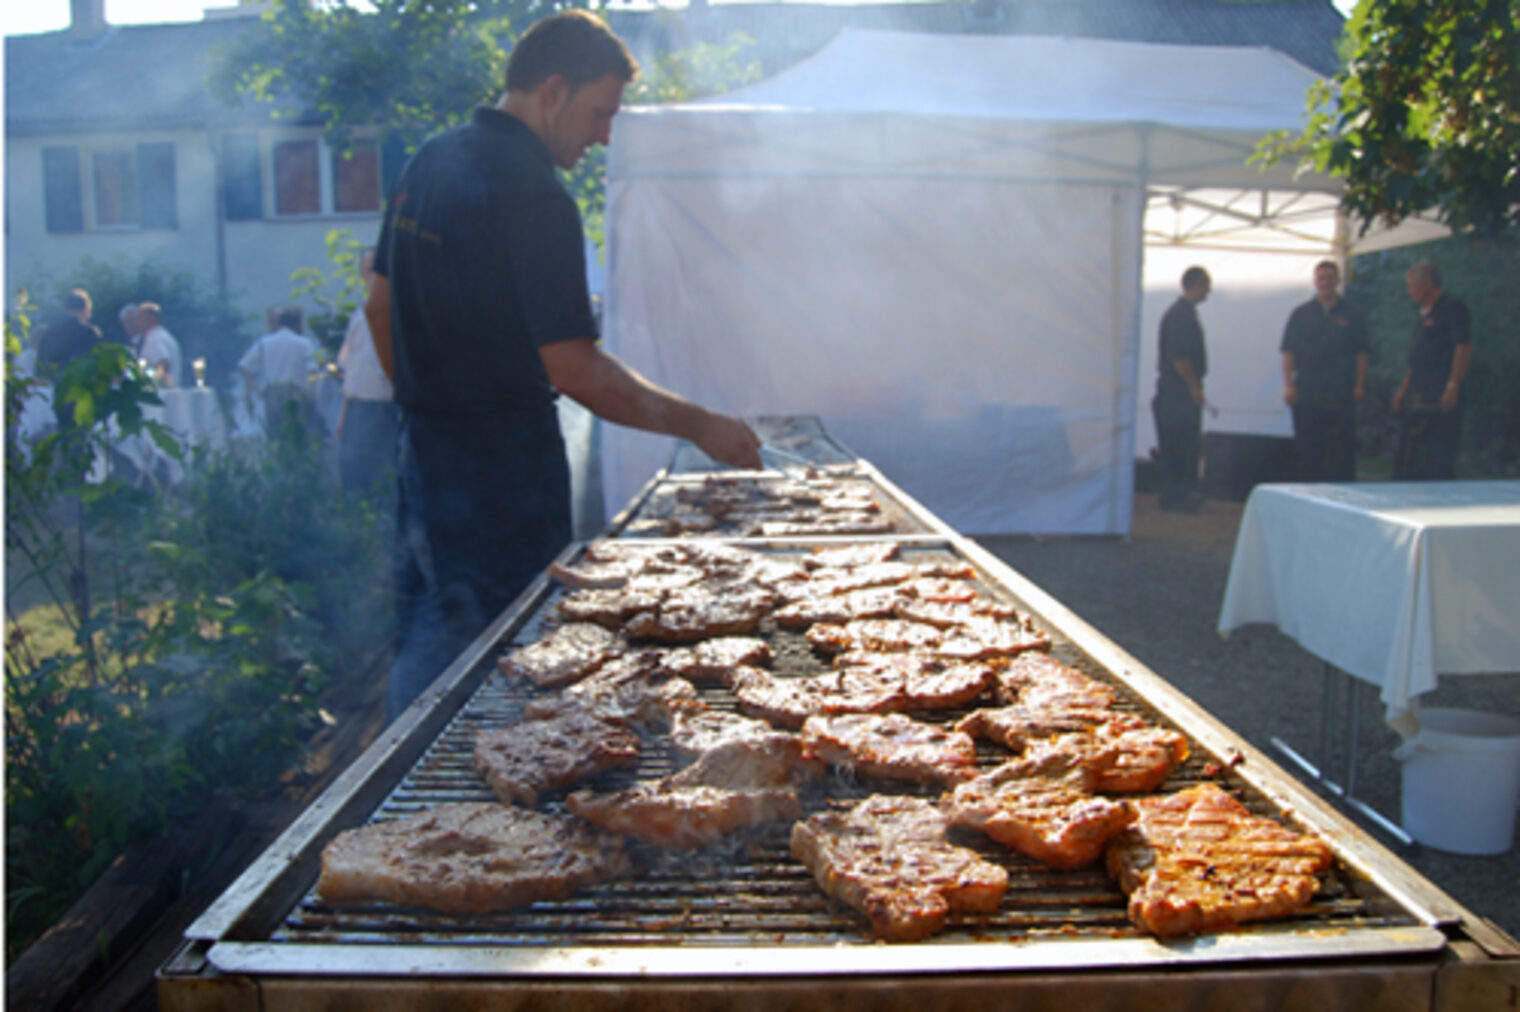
{"x": 338, "y": 292}
{"x": 197, "y": 627}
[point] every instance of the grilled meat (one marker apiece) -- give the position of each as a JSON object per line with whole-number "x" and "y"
{"x": 872, "y": 602}
{"x": 889, "y": 858}
{"x": 1038, "y": 681}
{"x": 695, "y": 731}
{"x": 850, "y": 556}
{"x": 929, "y": 682}
{"x": 525, "y": 760}
{"x": 787, "y": 702}
{"x": 885, "y": 634}
{"x": 891, "y": 746}
{"x": 739, "y": 783}
{"x": 713, "y": 661}
{"x": 468, "y": 859}
{"x": 685, "y": 616}
{"x": 1042, "y": 807}
{"x": 1198, "y": 861}
{"x": 566, "y": 654}
{"x": 982, "y": 637}
{"x": 608, "y": 608}
{"x": 631, "y": 689}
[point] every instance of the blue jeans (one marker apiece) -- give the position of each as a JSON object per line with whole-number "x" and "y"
{"x": 483, "y": 506}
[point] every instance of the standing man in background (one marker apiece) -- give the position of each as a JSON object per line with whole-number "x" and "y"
{"x": 68, "y": 338}
{"x": 368, "y": 419}
{"x": 480, "y": 314}
{"x": 159, "y": 348}
{"x": 1178, "y": 405}
{"x": 1430, "y": 397}
{"x": 1324, "y": 361}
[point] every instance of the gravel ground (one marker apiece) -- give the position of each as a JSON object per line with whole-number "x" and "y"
{"x": 1157, "y": 595}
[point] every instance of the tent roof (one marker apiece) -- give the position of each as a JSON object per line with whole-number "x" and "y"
{"x": 1041, "y": 78}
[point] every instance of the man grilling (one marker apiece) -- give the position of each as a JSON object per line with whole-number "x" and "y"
{"x": 1324, "y": 362}
{"x": 480, "y": 314}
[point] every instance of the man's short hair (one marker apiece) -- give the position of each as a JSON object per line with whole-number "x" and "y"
{"x": 1193, "y": 277}
{"x": 1327, "y": 265}
{"x": 77, "y": 299}
{"x": 574, "y": 44}
{"x": 289, "y": 317}
{"x": 1427, "y": 270}
{"x": 126, "y": 311}
{"x": 152, "y": 309}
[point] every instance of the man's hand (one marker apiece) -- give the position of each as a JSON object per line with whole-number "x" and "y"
{"x": 1359, "y": 394}
{"x": 1290, "y": 395}
{"x": 730, "y": 441}
{"x": 1449, "y": 397}
{"x": 1398, "y": 399}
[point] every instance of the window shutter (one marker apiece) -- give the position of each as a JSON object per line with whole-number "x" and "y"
{"x": 155, "y": 186}
{"x": 62, "y": 192}
{"x": 242, "y": 179}
{"x": 392, "y": 160}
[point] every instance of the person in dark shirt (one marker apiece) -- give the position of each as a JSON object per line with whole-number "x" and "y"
{"x": 1324, "y": 361}
{"x": 480, "y": 315}
{"x": 1178, "y": 404}
{"x": 65, "y": 340}
{"x": 1429, "y": 399}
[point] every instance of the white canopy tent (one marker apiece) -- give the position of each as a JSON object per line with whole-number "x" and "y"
{"x": 934, "y": 242}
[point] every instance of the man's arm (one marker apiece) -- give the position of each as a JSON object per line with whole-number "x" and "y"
{"x": 377, "y": 312}
{"x": 1290, "y": 392}
{"x": 1359, "y": 392}
{"x": 1461, "y": 360}
{"x": 1184, "y": 367}
{"x": 611, "y": 390}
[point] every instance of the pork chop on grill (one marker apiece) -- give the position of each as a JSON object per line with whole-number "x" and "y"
{"x": 885, "y": 634}
{"x": 1042, "y": 807}
{"x": 1039, "y": 681}
{"x": 983, "y": 636}
{"x": 889, "y": 858}
{"x": 713, "y": 661}
{"x": 850, "y": 556}
{"x": 468, "y": 859}
{"x": 1199, "y": 861}
{"x": 632, "y": 689}
{"x": 608, "y": 608}
{"x": 929, "y": 682}
{"x": 891, "y": 746}
{"x": 739, "y": 783}
{"x": 565, "y": 654}
{"x": 691, "y": 614}
{"x": 695, "y": 731}
{"x": 872, "y": 602}
{"x": 525, "y": 760}
{"x": 787, "y": 702}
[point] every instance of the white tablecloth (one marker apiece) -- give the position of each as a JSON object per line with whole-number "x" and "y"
{"x": 1395, "y": 584}
{"x": 194, "y": 415}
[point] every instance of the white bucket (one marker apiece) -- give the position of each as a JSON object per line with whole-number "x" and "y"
{"x": 1462, "y": 781}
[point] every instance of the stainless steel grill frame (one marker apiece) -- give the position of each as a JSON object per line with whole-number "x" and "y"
{"x": 1379, "y": 936}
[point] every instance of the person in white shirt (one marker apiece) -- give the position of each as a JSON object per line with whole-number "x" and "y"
{"x": 369, "y": 418}
{"x": 278, "y": 368}
{"x": 158, "y": 347}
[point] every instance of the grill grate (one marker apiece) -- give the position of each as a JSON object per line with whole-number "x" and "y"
{"x": 747, "y": 890}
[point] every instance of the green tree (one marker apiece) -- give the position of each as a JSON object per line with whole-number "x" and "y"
{"x": 1424, "y": 116}
{"x": 409, "y": 68}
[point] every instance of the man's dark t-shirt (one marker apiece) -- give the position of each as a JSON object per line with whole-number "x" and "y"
{"x": 1432, "y": 348}
{"x": 483, "y": 249}
{"x": 63, "y": 342}
{"x": 1325, "y": 344}
{"x": 1181, "y": 337}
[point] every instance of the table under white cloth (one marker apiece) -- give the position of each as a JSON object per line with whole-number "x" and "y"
{"x": 1395, "y": 584}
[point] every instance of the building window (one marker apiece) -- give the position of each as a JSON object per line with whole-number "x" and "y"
{"x": 297, "y": 178}
{"x": 114, "y": 174}
{"x": 356, "y": 178}
{"x": 117, "y": 188}
{"x": 242, "y": 177}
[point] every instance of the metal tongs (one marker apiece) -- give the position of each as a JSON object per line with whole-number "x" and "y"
{"x": 792, "y": 465}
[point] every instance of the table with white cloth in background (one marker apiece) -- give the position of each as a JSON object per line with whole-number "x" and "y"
{"x": 193, "y": 415}
{"x": 1394, "y": 584}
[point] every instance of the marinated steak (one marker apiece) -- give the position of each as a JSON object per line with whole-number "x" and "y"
{"x": 889, "y": 858}
{"x": 891, "y": 746}
{"x": 1042, "y": 808}
{"x": 566, "y": 654}
{"x": 525, "y": 760}
{"x": 1198, "y": 861}
{"x": 468, "y": 859}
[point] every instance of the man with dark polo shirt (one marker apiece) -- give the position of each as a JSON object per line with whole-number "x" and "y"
{"x": 1324, "y": 361}
{"x": 1178, "y": 404}
{"x": 71, "y": 336}
{"x": 1430, "y": 397}
{"x": 480, "y": 314}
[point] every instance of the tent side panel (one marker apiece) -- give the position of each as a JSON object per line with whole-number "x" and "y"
{"x": 919, "y": 317}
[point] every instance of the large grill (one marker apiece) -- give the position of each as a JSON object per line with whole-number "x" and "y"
{"x": 745, "y": 920}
